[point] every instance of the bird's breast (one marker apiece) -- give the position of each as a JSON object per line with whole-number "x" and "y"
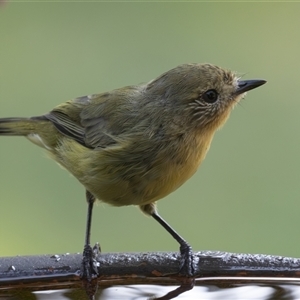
{"x": 145, "y": 180}
{"x": 133, "y": 175}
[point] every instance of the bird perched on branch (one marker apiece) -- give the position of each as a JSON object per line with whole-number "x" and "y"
{"x": 137, "y": 144}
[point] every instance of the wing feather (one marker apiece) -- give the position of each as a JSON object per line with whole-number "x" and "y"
{"x": 99, "y": 120}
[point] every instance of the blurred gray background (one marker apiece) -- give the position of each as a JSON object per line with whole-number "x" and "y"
{"x": 245, "y": 196}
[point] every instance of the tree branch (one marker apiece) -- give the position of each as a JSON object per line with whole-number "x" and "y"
{"x": 61, "y": 271}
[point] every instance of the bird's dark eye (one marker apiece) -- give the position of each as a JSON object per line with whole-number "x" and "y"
{"x": 210, "y": 96}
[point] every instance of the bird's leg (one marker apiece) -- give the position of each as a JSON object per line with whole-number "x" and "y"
{"x": 186, "y": 268}
{"x": 89, "y": 262}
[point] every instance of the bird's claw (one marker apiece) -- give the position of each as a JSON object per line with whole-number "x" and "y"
{"x": 186, "y": 266}
{"x": 89, "y": 265}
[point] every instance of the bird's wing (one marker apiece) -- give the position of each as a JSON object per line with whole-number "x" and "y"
{"x": 98, "y": 120}
{"x": 66, "y": 126}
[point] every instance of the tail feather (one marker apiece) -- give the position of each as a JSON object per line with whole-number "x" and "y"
{"x": 17, "y": 126}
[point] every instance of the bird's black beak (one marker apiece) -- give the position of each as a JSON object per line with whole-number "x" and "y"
{"x": 247, "y": 85}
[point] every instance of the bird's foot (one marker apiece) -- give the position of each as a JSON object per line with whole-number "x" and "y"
{"x": 186, "y": 266}
{"x": 89, "y": 264}
{"x": 89, "y": 270}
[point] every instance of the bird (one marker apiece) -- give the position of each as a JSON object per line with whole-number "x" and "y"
{"x": 136, "y": 144}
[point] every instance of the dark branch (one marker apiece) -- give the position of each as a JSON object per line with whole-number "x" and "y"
{"x": 124, "y": 268}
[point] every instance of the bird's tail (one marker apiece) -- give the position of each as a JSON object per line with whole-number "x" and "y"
{"x": 17, "y": 126}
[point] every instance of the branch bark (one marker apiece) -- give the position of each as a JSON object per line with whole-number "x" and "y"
{"x": 62, "y": 271}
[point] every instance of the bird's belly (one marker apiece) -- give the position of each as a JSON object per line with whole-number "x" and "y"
{"x": 142, "y": 189}
{"x": 120, "y": 178}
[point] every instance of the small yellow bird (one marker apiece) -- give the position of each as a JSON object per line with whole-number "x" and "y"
{"x": 137, "y": 144}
